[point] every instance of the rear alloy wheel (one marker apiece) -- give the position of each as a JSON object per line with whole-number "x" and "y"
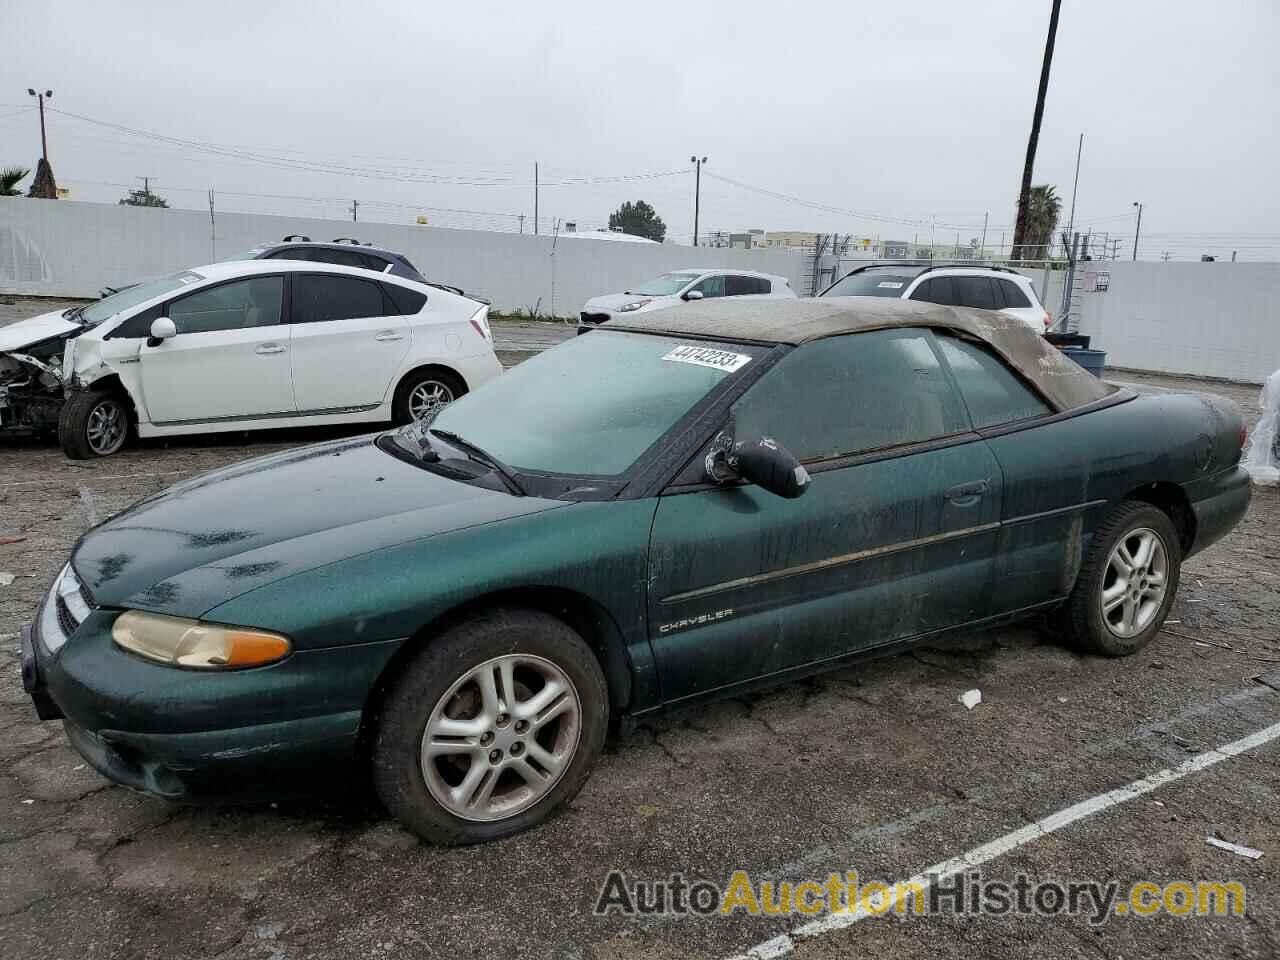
{"x": 1127, "y": 581}
{"x": 422, "y": 395}
{"x": 93, "y": 424}
{"x": 491, "y": 729}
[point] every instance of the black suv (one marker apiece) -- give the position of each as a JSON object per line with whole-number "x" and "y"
{"x": 346, "y": 252}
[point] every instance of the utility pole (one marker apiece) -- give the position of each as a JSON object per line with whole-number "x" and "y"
{"x": 355, "y": 206}
{"x": 520, "y": 217}
{"x": 213, "y": 237}
{"x": 41, "y": 98}
{"x": 983, "y": 247}
{"x": 697, "y": 192}
{"x": 1024, "y": 194}
{"x": 535, "y": 198}
{"x": 1137, "y": 230}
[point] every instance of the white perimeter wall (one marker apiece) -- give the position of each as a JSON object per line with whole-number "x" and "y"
{"x": 71, "y": 249}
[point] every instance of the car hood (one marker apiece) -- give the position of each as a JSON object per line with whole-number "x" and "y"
{"x": 613, "y": 301}
{"x": 16, "y": 336}
{"x": 207, "y": 540}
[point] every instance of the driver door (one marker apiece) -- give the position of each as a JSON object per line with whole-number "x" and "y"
{"x": 894, "y": 538}
{"x": 229, "y": 359}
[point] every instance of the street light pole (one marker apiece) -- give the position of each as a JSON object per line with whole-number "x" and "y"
{"x": 41, "y": 98}
{"x": 1137, "y": 230}
{"x": 697, "y": 192}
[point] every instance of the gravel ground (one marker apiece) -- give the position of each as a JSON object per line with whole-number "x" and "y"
{"x": 877, "y": 769}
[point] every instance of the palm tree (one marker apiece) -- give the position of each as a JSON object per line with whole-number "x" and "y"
{"x": 9, "y": 178}
{"x": 1043, "y": 209}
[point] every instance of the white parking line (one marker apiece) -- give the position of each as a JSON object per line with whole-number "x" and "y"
{"x": 782, "y": 945}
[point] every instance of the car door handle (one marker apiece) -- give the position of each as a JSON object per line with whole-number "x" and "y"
{"x": 967, "y": 494}
{"x": 389, "y": 335}
{"x": 270, "y": 348}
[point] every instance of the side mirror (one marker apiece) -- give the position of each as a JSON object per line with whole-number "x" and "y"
{"x": 693, "y": 295}
{"x": 762, "y": 461}
{"x": 162, "y": 329}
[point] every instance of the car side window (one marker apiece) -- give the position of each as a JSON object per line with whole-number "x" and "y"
{"x": 405, "y": 301}
{"x": 710, "y": 286}
{"x": 936, "y": 290}
{"x": 974, "y": 292}
{"x": 736, "y": 285}
{"x": 993, "y": 393}
{"x": 240, "y": 304}
{"x": 1013, "y": 295}
{"x": 854, "y": 393}
{"x": 319, "y": 297}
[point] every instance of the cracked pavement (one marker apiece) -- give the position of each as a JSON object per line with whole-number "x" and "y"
{"x": 876, "y": 768}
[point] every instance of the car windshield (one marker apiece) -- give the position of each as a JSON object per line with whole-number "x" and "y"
{"x": 108, "y": 307}
{"x": 872, "y": 283}
{"x": 665, "y": 285}
{"x": 591, "y": 406}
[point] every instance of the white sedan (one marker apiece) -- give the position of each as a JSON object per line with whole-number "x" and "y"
{"x": 253, "y": 345}
{"x": 681, "y": 286}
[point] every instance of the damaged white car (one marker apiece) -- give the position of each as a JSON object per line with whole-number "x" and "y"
{"x": 250, "y": 345}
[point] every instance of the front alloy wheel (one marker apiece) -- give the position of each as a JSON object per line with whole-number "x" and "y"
{"x": 491, "y": 728}
{"x": 93, "y": 424}
{"x": 501, "y": 737}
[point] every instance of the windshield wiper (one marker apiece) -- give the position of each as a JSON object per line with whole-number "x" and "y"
{"x": 74, "y": 313}
{"x": 480, "y": 456}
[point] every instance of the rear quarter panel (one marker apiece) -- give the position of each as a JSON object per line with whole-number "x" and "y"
{"x": 1061, "y": 478}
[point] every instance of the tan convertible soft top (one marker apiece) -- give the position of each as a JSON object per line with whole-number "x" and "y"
{"x": 1064, "y": 383}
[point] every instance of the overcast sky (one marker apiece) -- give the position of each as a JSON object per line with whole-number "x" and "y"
{"x": 910, "y": 112}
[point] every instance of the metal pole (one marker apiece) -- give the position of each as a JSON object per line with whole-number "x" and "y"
{"x": 982, "y": 248}
{"x": 697, "y": 192}
{"x": 1137, "y": 230}
{"x": 535, "y": 198}
{"x": 44, "y": 142}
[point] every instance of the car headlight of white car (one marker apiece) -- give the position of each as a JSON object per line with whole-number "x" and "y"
{"x": 633, "y": 305}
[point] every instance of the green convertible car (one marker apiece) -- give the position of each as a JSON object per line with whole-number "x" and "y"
{"x": 696, "y": 502}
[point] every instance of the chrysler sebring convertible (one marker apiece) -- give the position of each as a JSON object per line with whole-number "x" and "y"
{"x": 694, "y": 503}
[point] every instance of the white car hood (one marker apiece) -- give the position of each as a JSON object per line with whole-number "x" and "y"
{"x": 610, "y": 303}
{"x": 16, "y": 336}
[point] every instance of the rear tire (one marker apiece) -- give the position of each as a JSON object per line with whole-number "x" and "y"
{"x": 94, "y": 423}
{"x": 425, "y": 392}
{"x": 1127, "y": 582}
{"x": 457, "y": 763}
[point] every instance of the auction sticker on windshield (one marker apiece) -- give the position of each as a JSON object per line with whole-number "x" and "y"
{"x": 724, "y": 360}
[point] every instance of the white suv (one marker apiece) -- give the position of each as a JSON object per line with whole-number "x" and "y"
{"x": 681, "y": 286}
{"x": 987, "y": 288}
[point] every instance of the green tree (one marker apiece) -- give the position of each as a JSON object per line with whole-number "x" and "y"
{"x": 1043, "y": 211}
{"x": 638, "y": 219}
{"x": 9, "y": 178}
{"x": 143, "y": 198}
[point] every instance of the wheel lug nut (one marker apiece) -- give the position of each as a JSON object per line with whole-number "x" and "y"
{"x": 486, "y": 738}
{"x": 522, "y": 726}
{"x": 495, "y": 756}
{"x": 503, "y": 719}
{"x": 517, "y": 748}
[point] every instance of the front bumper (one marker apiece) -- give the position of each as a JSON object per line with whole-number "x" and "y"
{"x": 244, "y": 735}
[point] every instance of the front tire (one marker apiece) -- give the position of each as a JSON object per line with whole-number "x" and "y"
{"x": 1127, "y": 582}
{"x": 491, "y": 729}
{"x": 93, "y": 424}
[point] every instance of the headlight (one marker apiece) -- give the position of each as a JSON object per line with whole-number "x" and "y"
{"x": 633, "y": 305}
{"x": 191, "y": 643}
